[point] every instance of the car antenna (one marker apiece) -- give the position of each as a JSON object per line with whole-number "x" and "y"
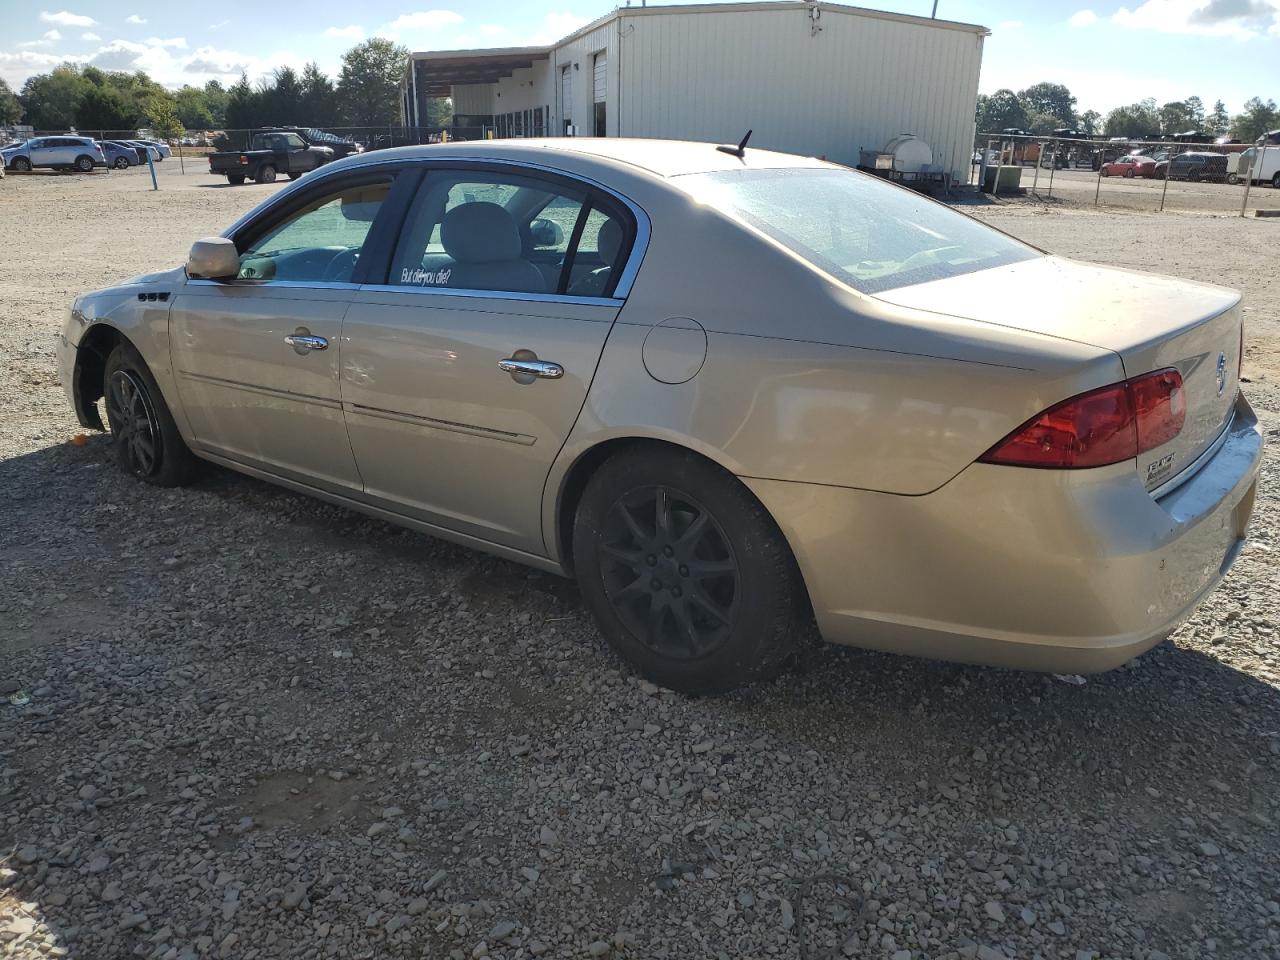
{"x": 739, "y": 151}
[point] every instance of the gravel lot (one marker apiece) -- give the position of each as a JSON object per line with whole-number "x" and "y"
{"x": 259, "y": 726}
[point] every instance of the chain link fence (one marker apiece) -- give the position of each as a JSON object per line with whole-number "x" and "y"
{"x": 1147, "y": 175}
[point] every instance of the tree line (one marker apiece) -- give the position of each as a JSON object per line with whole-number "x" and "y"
{"x": 1045, "y": 107}
{"x": 366, "y": 92}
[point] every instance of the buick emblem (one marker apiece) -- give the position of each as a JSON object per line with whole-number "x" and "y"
{"x": 1222, "y": 372}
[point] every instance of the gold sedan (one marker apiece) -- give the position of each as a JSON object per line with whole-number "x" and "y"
{"x": 725, "y": 389}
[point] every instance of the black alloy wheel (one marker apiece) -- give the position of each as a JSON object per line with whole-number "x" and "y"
{"x": 685, "y": 572}
{"x": 134, "y": 423}
{"x": 669, "y": 572}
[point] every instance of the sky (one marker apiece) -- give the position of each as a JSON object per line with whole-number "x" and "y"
{"x": 1107, "y": 53}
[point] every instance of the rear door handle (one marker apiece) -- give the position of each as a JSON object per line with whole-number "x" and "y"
{"x": 301, "y": 341}
{"x": 542, "y": 369}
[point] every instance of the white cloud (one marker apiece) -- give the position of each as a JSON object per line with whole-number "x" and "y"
{"x": 352, "y": 31}
{"x": 177, "y": 43}
{"x": 423, "y": 20}
{"x": 16, "y": 67}
{"x": 1082, "y": 18}
{"x": 1240, "y": 19}
{"x": 64, "y": 18}
{"x": 89, "y": 36}
{"x": 52, "y": 35}
{"x": 219, "y": 25}
{"x": 134, "y": 18}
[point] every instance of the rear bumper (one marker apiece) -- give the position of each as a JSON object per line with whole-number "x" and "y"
{"x": 1068, "y": 571}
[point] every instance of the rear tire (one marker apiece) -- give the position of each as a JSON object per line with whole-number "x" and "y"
{"x": 1275, "y": 180}
{"x": 84, "y": 163}
{"x": 146, "y": 439}
{"x": 1128, "y": 174}
{"x": 687, "y": 576}
{"x": 1233, "y": 179}
{"x": 266, "y": 174}
{"x": 235, "y": 179}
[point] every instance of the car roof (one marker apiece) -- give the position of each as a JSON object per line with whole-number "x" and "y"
{"x": 665, "y": 158}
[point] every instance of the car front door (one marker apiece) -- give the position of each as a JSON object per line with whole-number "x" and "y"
{"x": 465, "y": 367}
{"x": 256, "y": 358}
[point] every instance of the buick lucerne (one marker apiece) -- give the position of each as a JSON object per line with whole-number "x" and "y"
{"x": 730, "y": 391}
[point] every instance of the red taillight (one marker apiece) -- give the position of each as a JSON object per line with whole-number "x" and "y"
{"x": 1103, "y": 426}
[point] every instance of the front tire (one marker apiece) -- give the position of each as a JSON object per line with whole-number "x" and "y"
{"x": 146, "y": 439}
{"x": 1275, "y": 180}
{"x": 687, "y": 576}
{"x": 121, "y": 163}
{"x": 1233, "y": 179}
{"x": 267, "y": 174}
{"x": 20, "y": 165}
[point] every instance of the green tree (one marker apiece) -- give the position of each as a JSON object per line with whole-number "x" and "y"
{"x": 1000, "y": 111}
{"x": 10, "y": 105}
{"x": 369, "y": 84}
{"x": 215, "y": 97}
{"x": 193, "y": 109}
{"x": 1218, "y": 122}
{"x": 1090, "y": 121}
{"x": 282, "y": 97}
{"x": 1052, "y": 103}
{"x": 104, "y": 108}
{"x": 241, "y": 111}
{"x": 439, "y": 112}
{"x": 1195, "y": 107}
{"x": 1257, "y": 118}
{"x": 163, "y": 118}
{"x": 49, "y": 100}
{"x": 319, "y": 105}
{"x": 1140, "y": 119}
{"x": 1175, "y": 117}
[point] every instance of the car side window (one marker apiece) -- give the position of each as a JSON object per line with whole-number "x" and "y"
{"x": 319, "y": 241}
{"x": 510, "y": 232}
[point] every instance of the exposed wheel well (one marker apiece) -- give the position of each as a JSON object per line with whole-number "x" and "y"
{"x": 91, "y": 361}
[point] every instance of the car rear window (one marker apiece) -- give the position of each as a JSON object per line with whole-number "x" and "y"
{"x": 862, "y": 231}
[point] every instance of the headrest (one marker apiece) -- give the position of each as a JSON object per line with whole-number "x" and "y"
{"x": 609, "y": 241}
{"x": 480, "y": 232}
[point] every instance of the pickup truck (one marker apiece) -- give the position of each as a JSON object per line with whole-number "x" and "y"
{"x": 270, "y": 153}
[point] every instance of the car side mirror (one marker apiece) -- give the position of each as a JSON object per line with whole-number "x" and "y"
{"x": 546, "y": 233}
{"x": 213, "y": 258}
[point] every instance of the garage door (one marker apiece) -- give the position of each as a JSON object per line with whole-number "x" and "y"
{"x": 566, "y": 97}
{"x": 598, "y": 86}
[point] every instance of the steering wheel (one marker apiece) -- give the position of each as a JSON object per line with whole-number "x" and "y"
{"x": 341, "y": 267}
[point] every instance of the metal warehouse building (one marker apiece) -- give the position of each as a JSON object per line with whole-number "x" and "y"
{"x": 821, "y": 79}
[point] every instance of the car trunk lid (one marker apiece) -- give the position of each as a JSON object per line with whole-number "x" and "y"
{"x": 1151, "y": 322}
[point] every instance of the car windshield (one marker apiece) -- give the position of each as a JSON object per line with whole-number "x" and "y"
{"x": 862, "y": 231}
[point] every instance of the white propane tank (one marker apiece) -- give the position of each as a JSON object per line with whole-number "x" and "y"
{"x": 910, "y": 153}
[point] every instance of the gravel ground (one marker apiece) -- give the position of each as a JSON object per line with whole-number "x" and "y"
{"x": 262, "y": 727}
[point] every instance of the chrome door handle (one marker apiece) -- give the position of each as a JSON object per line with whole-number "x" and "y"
{"x": 543, "y": 369}
{"x": 301, "y": 341}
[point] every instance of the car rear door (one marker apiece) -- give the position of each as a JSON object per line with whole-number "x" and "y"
{"x": 466, "y": 364}
{"x": 256, "y": 358}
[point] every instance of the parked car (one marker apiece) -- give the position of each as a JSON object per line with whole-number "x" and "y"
{"x": 55, "y": 153}
{"x": 1194, "y": 166}
{"x": 163, "y": 150}
{"x": 270, "y": 153}
{"x": 144, "y": 149}
{"x": 1129, "y": 166}
{"x": 120, "y": 156}
{"x": 727, "y": 389}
